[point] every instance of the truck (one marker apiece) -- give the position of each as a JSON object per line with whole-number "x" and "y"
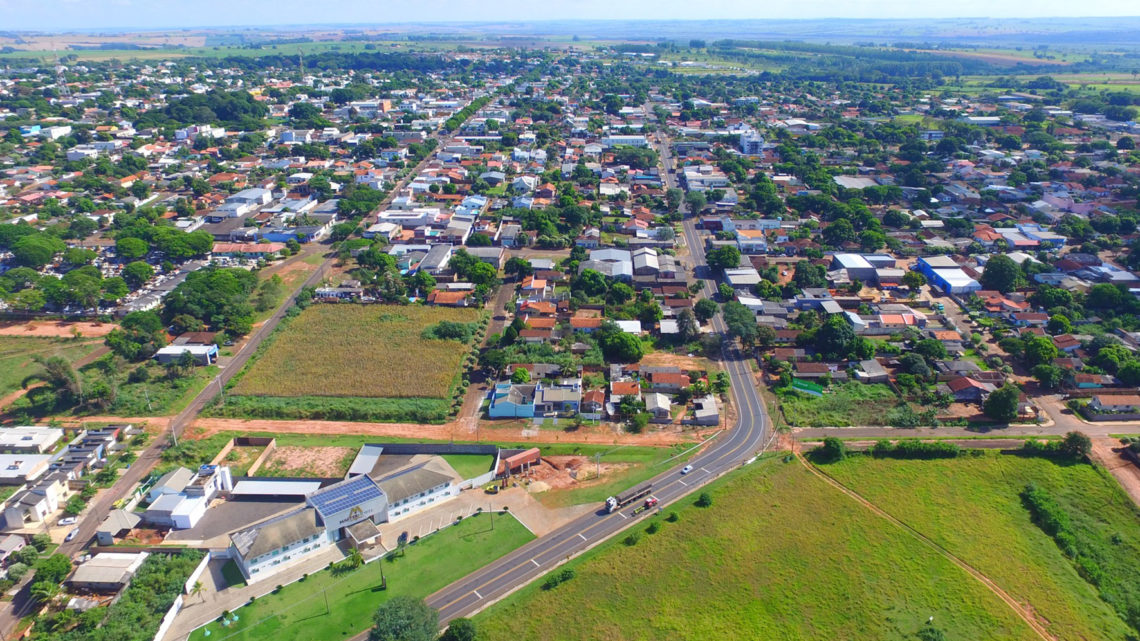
{"x": 614, "y": 503}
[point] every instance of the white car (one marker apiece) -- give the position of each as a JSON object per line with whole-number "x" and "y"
{"x": 71, "y": 520}
{"x": 71, "y": 535}
{"x": 686, "y": 469}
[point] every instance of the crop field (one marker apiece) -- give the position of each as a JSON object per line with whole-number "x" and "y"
{"x": 845, "y": 405}
{"x": 368, "y": 351}
{"x": 780, "y": 554}
{"x": 937, "y": 497}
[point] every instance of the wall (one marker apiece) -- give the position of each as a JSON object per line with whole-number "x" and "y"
{"x": 168, "y": 620}
{"x": 478, "y": 481}
{"x": 441, "y": 448}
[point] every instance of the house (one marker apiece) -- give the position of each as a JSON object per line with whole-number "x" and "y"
{"x": 659, "y": 407}
{"x": 671, "y": 382}
{"x": 1115, "y": 403}
{"x": 871, "y": 371}
{"x": 967, "y": 390}
{"x": 29, "y": 439}
{"x": 621, "y": 389}
{"x": 9, "y": 545}
{"x": 528, "y": 400}
{"x": 705, "y": 411}
{"x": 202, "y": 354}
{"x": 593, "y": 404}
{"x": 173, "y": 482}
{"x": 117, "y": 524}
{"x": 107, "y": 571}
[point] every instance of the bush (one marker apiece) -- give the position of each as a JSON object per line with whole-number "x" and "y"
{"x": 558, "y": 578}
{"x": 41, "y": 542}
{"x": 914, "y": 449}
{"x": 704, "y": 500}
{"x": 17, "y": 570}
{"x": 653, "y": 528}
{"x": 831, "y": 451}
{"x": 673, "y": 517}
{"x": 631, "y": 539}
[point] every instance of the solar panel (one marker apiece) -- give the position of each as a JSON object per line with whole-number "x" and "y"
{"x": 343, "y": 495}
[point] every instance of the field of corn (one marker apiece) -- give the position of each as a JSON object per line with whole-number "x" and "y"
{"x": 372, "y": 351}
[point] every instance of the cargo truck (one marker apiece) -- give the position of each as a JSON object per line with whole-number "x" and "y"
{"x": 625, "y": 498}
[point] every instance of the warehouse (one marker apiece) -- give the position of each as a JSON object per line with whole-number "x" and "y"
{"x": 29, "y": 439}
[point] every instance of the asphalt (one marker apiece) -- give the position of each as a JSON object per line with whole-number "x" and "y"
{"x": 97, "y": 511}
{"x": 729, "y": 451}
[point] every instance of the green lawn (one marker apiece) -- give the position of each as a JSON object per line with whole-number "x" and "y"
{"x": 940, "y": 497}
{"x": 844, "y": 405}
{"x": 17, "y": 353}
{"x": 779, "y": 555}
{"x": 469, "y": 465}
{"x": 297, "y": 612}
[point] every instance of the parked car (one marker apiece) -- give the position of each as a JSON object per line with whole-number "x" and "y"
{"x": 71, "y": 535}
{"x": 71, "y": 520}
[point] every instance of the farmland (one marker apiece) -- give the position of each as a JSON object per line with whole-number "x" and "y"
{"x": 297, "y": 611}
{"x": 780, "y": 554}
{"x": 333, "y": 360}
{"x": 937, "y": 497}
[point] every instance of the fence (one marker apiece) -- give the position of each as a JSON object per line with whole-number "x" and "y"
{"x": 437, "y": 448}
{"x": 168, "y": 620}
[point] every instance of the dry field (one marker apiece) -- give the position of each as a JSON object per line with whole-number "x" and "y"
{"x": 372, "y": 351}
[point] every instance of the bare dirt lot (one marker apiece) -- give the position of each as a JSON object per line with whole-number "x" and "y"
{"x": 1125, "y": 473}
{"x": 54, "y": 329}
{"x": 317, "y": 462}
{"x": 456, "y": 430}
{"x": 566, "y": 472}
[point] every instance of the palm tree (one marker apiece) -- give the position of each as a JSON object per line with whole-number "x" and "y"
{"x": 59, "y": 375}
{"x": 44, "y": 591}
{"x": 356, "y": 559}
{"x": 198, "y": 589}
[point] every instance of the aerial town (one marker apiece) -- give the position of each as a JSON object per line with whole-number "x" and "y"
{"x": 373, "y": 335}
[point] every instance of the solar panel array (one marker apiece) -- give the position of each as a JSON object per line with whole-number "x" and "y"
{"x": 343, "y": 495}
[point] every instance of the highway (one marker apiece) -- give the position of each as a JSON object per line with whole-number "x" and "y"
{"x": 730, "y": 450}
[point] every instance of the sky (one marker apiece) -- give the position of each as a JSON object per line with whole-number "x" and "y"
{"x": 60, "y": 15}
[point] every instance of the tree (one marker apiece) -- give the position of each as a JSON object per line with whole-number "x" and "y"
{"x": 688, "y": 329}
{"x": 830, "y": 451}
{"x": 1059, "y": 324}
{"x": 482, "y": 274}
{"x": 839, "y": 232}
{"x": 1076, "y": 445}
{"x": 704, "y": 500}
{"x": 54, "y": 569}
{"x": 620, "y": 347}
{"x": 403, "y": 618}
{"x": 1040, "y": 350}
{"x": 1104, "y": 296}
{"x": 931, "y": 349}
{"x": 1001, "y": 273}
{"x": 518, "y": 267}
{"x": 137, "y": 273}
{"x": 1002, "y": 404}
{"x": 705, "y": 309}
{"x": 1049, "y": 376}
{"x": 724, "y": 257}
{"x": 44, "y": 591}
{"x": 1129, "y": 372}
{"x": 36, "y": 250}
{"x": 695, "y": 201}
{"x": 130, "y": 248}
{"x": 461, "y": 629}
{"x": 740, "y": 322}
{"x": 913, "y": 280}
{"x": 836, "y": 338}
{"x": 520, "y": 376}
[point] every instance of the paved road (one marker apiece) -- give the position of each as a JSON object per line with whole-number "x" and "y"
{"x": 732, "y": 449}
{"x": 98, "y": 510}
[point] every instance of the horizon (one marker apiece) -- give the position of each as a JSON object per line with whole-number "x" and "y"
{"x": 62, "y": 16}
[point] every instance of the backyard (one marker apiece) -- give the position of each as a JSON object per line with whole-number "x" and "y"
{"x": 779, "y": 554}
{"x": 17, "y": 354}
{"x": 297, "y": 612}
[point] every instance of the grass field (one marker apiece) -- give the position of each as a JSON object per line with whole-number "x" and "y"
{"x": 17, "y": 352}
{"x": 938, "y": 497}
{"x": 845, "y": 405}
{"x": 779, "y": 555}
{"x": 359, "y": 350}
{"x": 297, "y": 611}
{"x": 469, "y": 465}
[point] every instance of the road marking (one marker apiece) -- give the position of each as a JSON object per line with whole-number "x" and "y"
{"x": 622, "y": 515}
{"x": 476, "y": 592}
{"x": 705, "y": 471}
{"x": 682, "y": 483}
{"x": 535, "y": 563}
{"x": 583, "y": 537}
